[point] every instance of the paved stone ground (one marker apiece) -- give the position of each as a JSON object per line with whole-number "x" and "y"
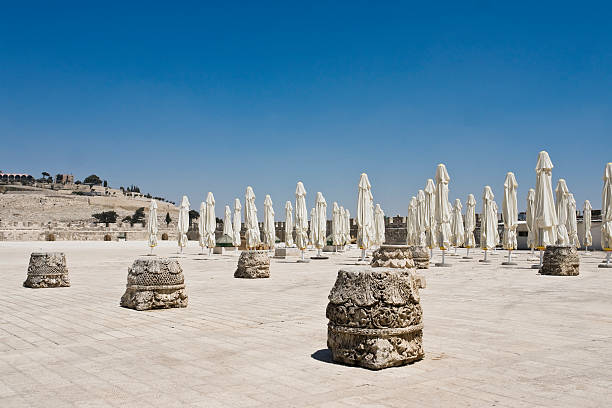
{"x": 494, "y": 336}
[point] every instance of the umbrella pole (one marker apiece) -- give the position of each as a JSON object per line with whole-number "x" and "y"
{"x": 363, "y": 255}
{"x": 455, "y": 250}
{"x": 302, "y": 251}
{"x": 468, "y": 252}
{"x": 541, "y": 257}
{"x": 485, "y": 258}
{"x": 608, "y": 260}
{"x": 443, "y": 252}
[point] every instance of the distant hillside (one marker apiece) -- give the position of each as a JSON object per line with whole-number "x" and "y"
{"x": 32, "y": 204}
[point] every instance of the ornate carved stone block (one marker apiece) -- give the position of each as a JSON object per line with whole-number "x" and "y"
{"x": 420, "y": 256}
{"x": 399, "y": 257}
{"x": 47, "y": 270}
{"x": 392, "y": 256}
{"x": 375, "y": 318}
{"x": 560, "y": 260}
{"x": 154, "y": 283}
{"x": 253, "y": 264}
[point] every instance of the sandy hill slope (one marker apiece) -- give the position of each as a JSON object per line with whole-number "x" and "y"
{"x": 44, "y": 205}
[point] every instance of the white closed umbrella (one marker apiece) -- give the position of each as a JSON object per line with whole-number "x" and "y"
{"x": 320, "y": 224}
{"x": 379, "y": 225}
{"x": 342, "y": 226}
{"x": 606, "y": 214}
{"x": 210, "y": 224}
{"x": 228, "y": 228}
{"x": 411, "y": 223}
{"x": 586, "y": 218}
{"x": 268, "y": 226}
{"x": 545, "y": 218}
{"x": 497, "y": 237}
{"x": 202, "y": 226}
{"x": 562, "y": 196}
{"x": 572, "y": 222}
{"x": 470, "y": 225}
{"x": 253, "y": 238}
{"x": 301, "y": 218}
{"x": 236, "y": 224}
{"x": 451, "y": 219}
{"x": 337, "y": 232}
{"x": 347, "y": 226}
{"x": 365, "y": 215}
{"x": 458, "y": 230}
{"x": 430, "y": 212}
{"x": 442, "y": 211}
{"x": 529, "y": 218}
{"x": 313, "y": 226}
{"x": 488, "y": 222}
{"x": 510, "y": 215}
{"x": 421, "y": 217}
{"x": 183, "y": 223}
{"x": 288, "y": 224}
{"x": 152, "y": 226}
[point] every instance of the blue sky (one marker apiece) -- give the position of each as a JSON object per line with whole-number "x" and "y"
{"x": 186, "y": 98}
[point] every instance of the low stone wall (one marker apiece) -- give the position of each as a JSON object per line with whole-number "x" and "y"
{"x": 65, "y": 234}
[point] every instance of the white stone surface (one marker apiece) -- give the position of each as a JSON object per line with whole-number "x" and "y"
{"x": 493, "y": 336}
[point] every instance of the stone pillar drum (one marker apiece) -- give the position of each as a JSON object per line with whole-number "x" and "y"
{"x": 399, "y": 257}
{"x": 560, "y": 260}
{"x": 47, "y": 270}
{"x": 154, "y": 283}
{"x": 253, "y": 265}
{"x": 375, "y": 318}
{"x": 420, "y": 256}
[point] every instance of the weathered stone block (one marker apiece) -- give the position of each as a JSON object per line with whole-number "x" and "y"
{"x": 399, "y": 257}
{"x": 392, "y": 256}
{"x": 283, "y": 253}
{"x": 47, "y": 270}
{"x": 253, "y": 264}
{"x": 560, "y": 260}
{"x": 420, "y": 256}
{"x": 154, "y": 283}
{"x": 375, "y": 318}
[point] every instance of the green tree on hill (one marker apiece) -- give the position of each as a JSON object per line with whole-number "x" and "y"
{"x": 93, "y": 180}
{"x": 106, "y": 217}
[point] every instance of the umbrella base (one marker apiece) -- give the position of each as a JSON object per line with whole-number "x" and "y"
{"x": 484, "y": 261}
{"x": 443, "y": 264}
{"x": 535, "y": 266}
{"x": 604, "y": 265}
{"x": 303, "y": 260}
{"x": 509, "y": 263}
{"x": 467, "y": 257}
{"x": 319, "y": 257}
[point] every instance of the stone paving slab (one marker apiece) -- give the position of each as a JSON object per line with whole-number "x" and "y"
{"x": 494, "y": 336}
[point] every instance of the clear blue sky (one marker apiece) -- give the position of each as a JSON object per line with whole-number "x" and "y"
{"x": 190, "y": 98}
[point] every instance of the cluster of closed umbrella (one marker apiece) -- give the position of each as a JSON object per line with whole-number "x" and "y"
{"x": 551, "y": 219}
{"x": 431, "y": 221}
{"x": 370, "y": 220}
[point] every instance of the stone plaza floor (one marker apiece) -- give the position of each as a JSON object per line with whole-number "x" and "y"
{"x": 494, "y": 336}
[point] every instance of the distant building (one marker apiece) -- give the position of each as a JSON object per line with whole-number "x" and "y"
{"x": 11, "y": 177}
{"x": 64, "y": 179}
